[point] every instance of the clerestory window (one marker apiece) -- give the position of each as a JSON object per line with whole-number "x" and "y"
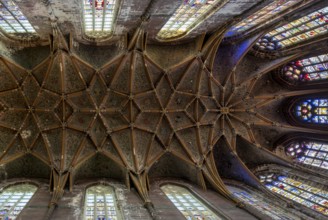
{"x": 309, "y": 196}
{"x": 190, "y": 14}
{"x": 99, "y": 17}
{"x": 188, "y": 204}
{"x": 309, "y": 152}
{"x": 263, "y": 16}
{"x": 297, "y": 31}
{"x": 101, "y": 204}
{"x": 13, "y": 22}
{"x": 13, "y": 199}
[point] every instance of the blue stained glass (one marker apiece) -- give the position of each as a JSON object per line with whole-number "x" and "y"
{"x": 265, "y": 15}
{"x": 305, "y": 28}
{"x": 312, "y": 197}
{"x": 313, "y": 111}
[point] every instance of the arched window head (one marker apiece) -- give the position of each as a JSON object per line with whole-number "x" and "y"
{"x": 14, "y": 198}
{"x": 307, "y": 70}
{"x": 100, "y": 203}
{"x": 190, "y": 14}
{"x": 13, "y": 22}
{"x": 99, "y": 17}
{"x": 187, "y": 204}
{"x": 300, "y": 30}
{"x": 314, "y": 111}
{"x": 263, "y": 16}
{"x": 309, "y": 196}
{"x": 309, "y": 152}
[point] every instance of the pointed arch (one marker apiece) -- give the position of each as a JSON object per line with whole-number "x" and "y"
{"x": 14, "y": 198}
{"x": 99, "y": 18}
{"x": 308, "y": 27}
{"x": 189, "y": 15}
{"x": 264, "y": 16}
{"x": 310, "y": 111}
{"x": 309, "y": 71}
{"x": 308, "y": 151}
{"x": 187, "y": 203}
{"x": 13, "y": 23}
{"x": 101, "y": 203}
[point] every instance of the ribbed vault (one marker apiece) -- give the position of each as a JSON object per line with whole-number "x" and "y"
{"x": 132, "y": 111}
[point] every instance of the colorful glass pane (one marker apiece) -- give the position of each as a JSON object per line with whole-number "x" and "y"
{"x": 12, "y": 20}
{"x": 187, "y": 16}
{"x": 311, "y": 153}
{"x": 307, "y": 70}
{"x": 13, "y": 200}
{"x": 187, "y": 204}
{"x": 313, "y": 111}
{"x": 99, "y": 16}
{"x": 262, "y": 206}
{"x": 312, "y": 197}
{"x": 305, "y": 28}
{"x": 264, "y": 16}
{"x": 100, "y": 203}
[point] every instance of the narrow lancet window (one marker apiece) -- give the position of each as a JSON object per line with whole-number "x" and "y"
{"x": 187, "y": 204}
{"x": 99, "y": 17}
{"x": 307, "y": 70}
{"x": 309, "y": 196}
{"x": 13, "y": 22}
{"x": 190, "y": 14}
{"x": 14, "y": 198}
{"x": 100, "y": 203}
{"x": 314, "y": 111}
{"x": 300, "y": 30}
{"x": 263, "y": 16}
{"x": 309, "y": 152}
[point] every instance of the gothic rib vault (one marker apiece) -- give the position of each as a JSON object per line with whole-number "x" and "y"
{"x": 133, "y": 111}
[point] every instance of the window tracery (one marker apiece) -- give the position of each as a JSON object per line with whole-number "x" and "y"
{"x": 302, "y": 29}
{"x": 309, "y": 152}
{"x": 13, "y": 22}
{"x": 187, "y": 204}
{"x": 262, "y": 206}
{"x": 307, "y": 70}
{"x": 14, "y": 198}
{"x": 186, "y": 17}
{"x": 99, "y": 17}
{"x": 262, "y": 16}
{"x": 100, "y": 203}
{"x": 309, "y": 196}
{"x": 313, "y": 111}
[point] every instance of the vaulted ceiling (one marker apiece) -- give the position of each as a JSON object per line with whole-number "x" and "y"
{"x": 134, "y": 109}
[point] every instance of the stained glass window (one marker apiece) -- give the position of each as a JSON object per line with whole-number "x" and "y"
{"x": 307, "y": 70}
{"x": 99, "y": 17}
{"x": 13, "y": 200}
{"x": 313, "y": 111}
{"x": 100, "y": 203}
{"x": 309, "y": 152}
{"x": 262, "y": 206}
{"x": 312, "y": 197}
{"x": 263, "y": 16}
{"x": 187, "y": 204}
{"x": 186, "y": 17}
{"x": 12, "y": 20}
{"x": 305, "y": 28}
